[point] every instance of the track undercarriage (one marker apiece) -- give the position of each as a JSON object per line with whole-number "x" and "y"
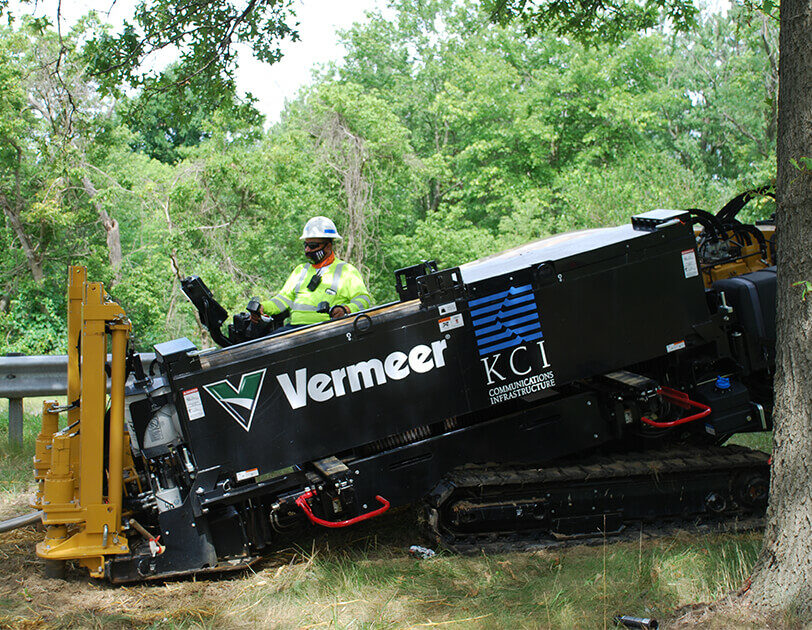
{"x": 505, "y": 508}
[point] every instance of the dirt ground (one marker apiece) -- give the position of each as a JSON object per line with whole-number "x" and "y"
{"x": 246, "y": 600}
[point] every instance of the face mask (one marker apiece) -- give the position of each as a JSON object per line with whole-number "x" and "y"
{"x": 316, "y": 255}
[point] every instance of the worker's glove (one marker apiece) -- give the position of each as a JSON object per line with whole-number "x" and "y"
{"x": 256, "y": 316}
{"x": 339, "y": 311}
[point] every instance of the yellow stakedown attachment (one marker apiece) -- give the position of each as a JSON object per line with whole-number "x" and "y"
{"x": 82, "y": 522}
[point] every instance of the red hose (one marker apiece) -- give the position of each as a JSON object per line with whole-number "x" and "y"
{"x": 301, "y": 501}
{"x": 681, "y": 400}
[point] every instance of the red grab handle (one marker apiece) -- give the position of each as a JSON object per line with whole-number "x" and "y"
{"x": 681, "y": 400}
{"x": 301, "y": 501}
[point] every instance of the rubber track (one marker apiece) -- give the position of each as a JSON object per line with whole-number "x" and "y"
{"x": 498, "y": 482}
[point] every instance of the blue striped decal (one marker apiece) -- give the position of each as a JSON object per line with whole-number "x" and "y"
{"x": 505, "y": 319}
{"x": 498, "y": 296}
{"x": 527, "y": 297}
{"x": 510, "y": 344}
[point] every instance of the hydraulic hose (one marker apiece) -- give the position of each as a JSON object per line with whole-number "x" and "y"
{"x": 20, "y": 521}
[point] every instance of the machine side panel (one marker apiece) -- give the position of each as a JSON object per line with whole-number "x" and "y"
{"x": 565, "y": 320}
{"x": 281, "y": 409}
{"x": 556, "y": 428}
{"x": 519, "y": 335}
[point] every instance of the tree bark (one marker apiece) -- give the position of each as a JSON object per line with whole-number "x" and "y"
{"x": 346, "y": 153}
{"x": 780, "y": 580}
{"x": 111, "y": 229}
{"x": 13, "y": 208}
{"x": 32, "y": 258}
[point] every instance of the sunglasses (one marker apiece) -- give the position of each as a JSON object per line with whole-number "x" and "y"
{"x": 315, "y": 245}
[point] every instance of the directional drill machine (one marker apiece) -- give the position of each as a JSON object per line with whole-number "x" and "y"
{"x": 563, "y": 390}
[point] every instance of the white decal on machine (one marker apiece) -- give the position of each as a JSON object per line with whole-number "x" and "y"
{"x": 510, "y": 342}
{"x": 451, "y": 322}
{"x": 322, "y": 386}
{"x": 247, "y": 474}
{"x": 194, "y": 406}
{"x": 689, "y": 265}
{"x": 509, "y": 373}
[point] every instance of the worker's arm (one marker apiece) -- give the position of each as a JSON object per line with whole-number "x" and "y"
{"x": 353, "y": 295}
{"x": 283, "y": 300}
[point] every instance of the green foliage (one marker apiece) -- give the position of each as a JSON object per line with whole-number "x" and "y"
{"x": 204, "y": 34}
{"x": 35, "y": 322}
{"x": 594, "y": 22}
{"x": 174, "y": 112}
{"x": 439, "y": 136}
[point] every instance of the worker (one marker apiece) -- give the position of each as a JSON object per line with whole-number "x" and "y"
{"x": 325, "y": 287}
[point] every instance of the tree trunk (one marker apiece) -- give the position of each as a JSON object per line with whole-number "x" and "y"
{"x": 346, "y": 153}
{"x": 32, "y": 258}
{"x": 111, "y": 229}
{"x": 780, "y": 580}
{"x": 13, "y": 208}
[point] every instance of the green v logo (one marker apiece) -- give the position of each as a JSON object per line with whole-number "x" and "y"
{"x": 240, "y": 402}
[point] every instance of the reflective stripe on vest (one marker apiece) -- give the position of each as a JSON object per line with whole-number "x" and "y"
{"x": 280, "y": 302}
{"x": 336, "y": 277}
{"x": 362, "y": 302}
{"x": 298, "y": 306}
{"x": 301, "y": 279}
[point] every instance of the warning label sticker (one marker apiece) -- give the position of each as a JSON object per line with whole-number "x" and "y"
{"x": 689, "y": 264}
{"x": 247, "y": 474}
{"x": 671, "y": 347}
{"x": 450, "y": 323}
{"x": 194, "y": 406}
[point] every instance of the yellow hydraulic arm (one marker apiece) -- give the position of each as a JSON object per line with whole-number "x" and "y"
{"x": 83, "y": 522}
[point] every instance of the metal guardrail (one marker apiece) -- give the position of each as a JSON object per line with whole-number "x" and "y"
{"x": 30, "y": 376}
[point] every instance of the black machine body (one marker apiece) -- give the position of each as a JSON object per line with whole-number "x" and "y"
{"x": 574, "y": 347}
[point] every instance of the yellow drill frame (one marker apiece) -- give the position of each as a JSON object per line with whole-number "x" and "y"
{"x": 81, "y": 522}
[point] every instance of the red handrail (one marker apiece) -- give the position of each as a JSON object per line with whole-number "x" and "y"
{"x": 681, "y": 400}
{"x": 301, "y": 501}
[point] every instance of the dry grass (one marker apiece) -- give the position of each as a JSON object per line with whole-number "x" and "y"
{"x": 366, "y": 579}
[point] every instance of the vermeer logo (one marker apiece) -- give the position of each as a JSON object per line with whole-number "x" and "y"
{"x": 240, "y": 402}
{"x": 321, "y": 387}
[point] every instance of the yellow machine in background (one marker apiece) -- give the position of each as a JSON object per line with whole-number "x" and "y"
{"x": 729, "y": 248}
{"x": 744, "y": 256}
{"x": 80, "y": 478}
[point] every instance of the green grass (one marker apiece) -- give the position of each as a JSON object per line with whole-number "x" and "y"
{"x": 363, "y": 577}
{"x": 762, "y": 441}
{"x": 564, "y": 589}
{"x": 16, "y": 465}
{"x": 366, "y": 579}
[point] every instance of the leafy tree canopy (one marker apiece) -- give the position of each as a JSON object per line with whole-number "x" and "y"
{"x": 175, "y": 112}
{"x": 203, "y": 33}
{"x": 593, "y": 21}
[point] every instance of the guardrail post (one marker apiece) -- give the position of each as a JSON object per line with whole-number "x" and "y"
{"x": 15, "y": 421}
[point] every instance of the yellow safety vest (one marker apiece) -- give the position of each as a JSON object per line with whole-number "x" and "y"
{"x": 341, "y": 284}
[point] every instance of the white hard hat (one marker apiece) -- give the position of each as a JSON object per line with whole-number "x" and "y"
{"x": 320, "y": 227}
